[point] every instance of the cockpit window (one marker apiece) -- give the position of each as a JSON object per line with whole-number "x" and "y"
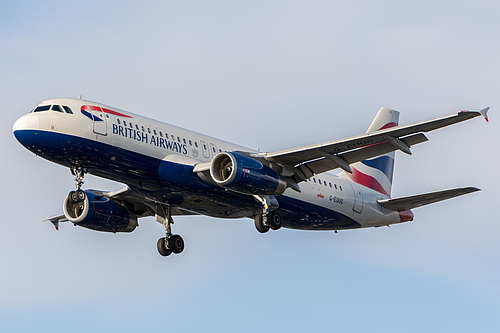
{"x": 42, "y": 108}
{"x": 56, "y": 108}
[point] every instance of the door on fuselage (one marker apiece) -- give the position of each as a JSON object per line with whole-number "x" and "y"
{"x": 357, "y": 197}
{"x": 99, "y": 123}
{"x": 204, "y": 149}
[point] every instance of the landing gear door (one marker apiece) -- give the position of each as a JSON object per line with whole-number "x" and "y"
{"x": 99, "y": 119}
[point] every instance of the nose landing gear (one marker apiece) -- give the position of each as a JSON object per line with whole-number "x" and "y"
{"x": 78, "y": 195}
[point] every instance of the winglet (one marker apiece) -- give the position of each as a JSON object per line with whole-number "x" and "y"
{"x": 56, "y": 224}
{"x": 484, "y": 113}
{"x": 56, "y": 219}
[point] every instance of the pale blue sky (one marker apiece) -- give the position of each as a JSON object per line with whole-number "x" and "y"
{"x": 269, "y": 75}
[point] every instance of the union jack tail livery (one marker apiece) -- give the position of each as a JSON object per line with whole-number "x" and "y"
{"x": 376, "y": 173}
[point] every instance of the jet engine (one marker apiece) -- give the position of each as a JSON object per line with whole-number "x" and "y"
{"x": 245, "y": 175}
{"x": 96, "y": 212}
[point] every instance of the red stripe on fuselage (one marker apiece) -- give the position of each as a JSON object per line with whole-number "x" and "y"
{"x": 365, "y": 180}
{"x": 96, "y": 108}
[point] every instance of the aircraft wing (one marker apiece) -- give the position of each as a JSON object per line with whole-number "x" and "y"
{"x": 133, "y": 201}
{"x": 304, "y": 162}
{"x": 419, "y": 200}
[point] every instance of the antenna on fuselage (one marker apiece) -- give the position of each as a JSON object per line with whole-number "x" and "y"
{"x": 81, "y": 95}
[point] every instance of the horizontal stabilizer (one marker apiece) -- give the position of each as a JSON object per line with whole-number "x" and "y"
{"x": 419, "y": 200}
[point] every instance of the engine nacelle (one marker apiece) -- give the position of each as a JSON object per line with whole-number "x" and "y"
{"x": 245, "y": 175}
{"x": 99, "y": 213}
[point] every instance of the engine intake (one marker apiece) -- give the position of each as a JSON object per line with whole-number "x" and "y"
{"x": 99, "y": 213}
{"x": 245, "y": 175}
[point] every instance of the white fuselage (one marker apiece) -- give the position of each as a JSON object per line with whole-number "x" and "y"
{"x": 127, "y": 148}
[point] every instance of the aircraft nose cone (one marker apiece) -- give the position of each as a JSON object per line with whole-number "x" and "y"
{"x": 27, "y": 122}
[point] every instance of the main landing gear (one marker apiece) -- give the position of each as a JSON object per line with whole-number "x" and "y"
{"x": 267, "y": 220}
{"x": 79, "y": 194}
{"x": 170, "y": 243}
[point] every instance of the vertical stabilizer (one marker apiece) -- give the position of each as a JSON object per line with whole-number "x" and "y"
{"x": 376, "y": 173}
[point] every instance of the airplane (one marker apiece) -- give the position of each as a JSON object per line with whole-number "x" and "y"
{"x": 170, "y": 171}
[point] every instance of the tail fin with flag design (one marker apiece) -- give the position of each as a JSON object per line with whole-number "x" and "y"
{"x": 376, "y": 173}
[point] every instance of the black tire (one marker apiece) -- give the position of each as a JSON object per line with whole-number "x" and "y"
{"x": 259, "y": 225}
{"x": 73, "y": 197}
{"x": 176, "y": 244}
{"x": 274, "y": 220}
{"x": 80, "y": 195}
{"x": 162, "y": 249}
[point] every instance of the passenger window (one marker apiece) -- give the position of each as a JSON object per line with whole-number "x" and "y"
{"x": 67, "y": 109}
{"x": 330, "y": 184}
{"x": 161, "y": 134}
{"x": 56, "y": 108}
{"x": 173, "y": 137}
{"x": 340, "y": 187}
{"x": 124, "y": 123}
{"x": 118, "y": 121}
{"x": 149, "y": 130}
{"x": 178, "y": 139}
{"x": 196, "y": 144}
{"x": 184, "y": 140}
{"x": 136, "y": 127}
{"x": 335, "y": 186}
{"x": 131, "y": 126}
{"x": 154, "y": 131}
{"x": 142, "y": 127}
{"x": 42, "y": 108}
{"x": 314, "y": 180}
{"x": 190, "y": 143}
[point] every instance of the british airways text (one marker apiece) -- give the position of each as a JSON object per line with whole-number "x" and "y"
{"x": 148, "y": 138}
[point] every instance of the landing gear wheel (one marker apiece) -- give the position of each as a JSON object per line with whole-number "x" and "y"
{"x": 170, "y": 243}
{"x": 274, "y": 220}
{"x": 176, "y": 244}
{"x": 162, "y": 247}
{"x": 73, "y": 196}
{"x": 80, "y": 195}
{"x": 259, "y": 224}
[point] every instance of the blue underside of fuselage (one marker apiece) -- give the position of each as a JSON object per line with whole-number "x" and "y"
{"x": 183, "y": 187}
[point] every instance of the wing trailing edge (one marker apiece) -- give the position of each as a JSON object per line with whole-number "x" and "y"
{"x": 415, "y": 201}
{"x": 315, "y": 159}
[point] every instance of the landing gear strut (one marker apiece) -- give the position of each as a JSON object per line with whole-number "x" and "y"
{"x": 78, "y": 195}
{"x": 267, "y": 220}
{"x": 170, "y": 243}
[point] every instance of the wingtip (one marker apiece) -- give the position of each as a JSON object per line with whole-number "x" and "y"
{"x": 484, "y": 113}
{"x": 470, "y": 189}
